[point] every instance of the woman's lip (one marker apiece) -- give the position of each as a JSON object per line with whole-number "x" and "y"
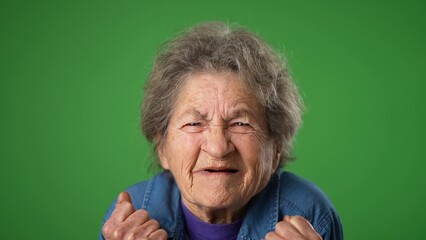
{"x": 221, "y": 170}
{"x": 213, "y": 170}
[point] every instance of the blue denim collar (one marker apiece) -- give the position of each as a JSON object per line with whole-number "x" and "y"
{"x": 262, "y": 212}
{"x": 168, "y": 213}
{"x": 261, "y": 217}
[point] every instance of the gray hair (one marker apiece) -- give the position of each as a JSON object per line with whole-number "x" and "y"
{"x": 216, "y": 47}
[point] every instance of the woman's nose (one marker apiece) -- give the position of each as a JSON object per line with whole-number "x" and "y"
{"x": 217, "y": 142}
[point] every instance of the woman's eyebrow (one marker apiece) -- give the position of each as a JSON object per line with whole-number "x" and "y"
{"x": 236, "y": 113}
{"x": 240, "y": 113}
{"x": 194, "y": 112}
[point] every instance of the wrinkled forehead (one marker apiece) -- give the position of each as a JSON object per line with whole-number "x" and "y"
{"x": 226, "y": 85}
{"x": 208, "y": 78}
{"x": 203, "y": 93}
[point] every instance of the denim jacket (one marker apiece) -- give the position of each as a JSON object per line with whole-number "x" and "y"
{"x": 285, "y": 194}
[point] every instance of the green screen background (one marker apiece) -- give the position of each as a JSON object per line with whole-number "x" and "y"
{"x": 71, "y": 77}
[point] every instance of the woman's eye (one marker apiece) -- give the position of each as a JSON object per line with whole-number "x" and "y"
{"x": 193, "y": 127}
{"x": 193, "y": 124}
{"x": 241, "y": 127}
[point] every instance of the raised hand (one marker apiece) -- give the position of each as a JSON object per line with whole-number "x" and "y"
{"x": 127, "y": 223}
{"x": 292, "y": 228}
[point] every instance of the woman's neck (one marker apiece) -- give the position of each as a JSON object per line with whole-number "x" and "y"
{"x": 214, "y": 215}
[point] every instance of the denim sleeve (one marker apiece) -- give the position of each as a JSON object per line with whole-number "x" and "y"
{"x": 330, "y": 227}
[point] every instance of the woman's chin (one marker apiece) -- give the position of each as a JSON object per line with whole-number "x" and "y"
{"x": 218, "y": 201}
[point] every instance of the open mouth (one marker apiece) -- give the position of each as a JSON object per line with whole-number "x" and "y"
{"x": 221, "y": 170}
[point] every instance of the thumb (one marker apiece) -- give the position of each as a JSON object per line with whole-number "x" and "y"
{"x": 287, "y": 218}
{"x": 123, "y": 197}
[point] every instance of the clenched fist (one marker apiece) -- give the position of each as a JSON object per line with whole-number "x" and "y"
{"x": 295, "y": 227}
{"x": 127, "y": 223}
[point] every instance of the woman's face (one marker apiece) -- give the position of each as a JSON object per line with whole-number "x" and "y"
{"x": 217, "y": 145}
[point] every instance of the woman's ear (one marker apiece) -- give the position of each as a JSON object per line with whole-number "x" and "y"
{"x": 164, "y": 162}
{"x": 277, "y": 156}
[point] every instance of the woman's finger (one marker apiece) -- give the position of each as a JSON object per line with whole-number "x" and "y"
{"x": 123, "y": 208}
{"x": 159, "y": 234}
{"x": 302, "y": 226}
{"x": 137, "y": 218}
{"x": 273, "y": 236}
{"x": 144, "y": 230}
{"x": 287, "y": 230}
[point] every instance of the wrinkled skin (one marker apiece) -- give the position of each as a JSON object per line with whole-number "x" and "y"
{"x": 217, "y": 146}
{"x": 219, "y": 152}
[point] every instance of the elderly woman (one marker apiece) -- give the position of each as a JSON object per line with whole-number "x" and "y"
{"x": 221, "y": 111}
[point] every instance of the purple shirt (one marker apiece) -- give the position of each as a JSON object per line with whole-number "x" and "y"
{"x": 199, "y": 230}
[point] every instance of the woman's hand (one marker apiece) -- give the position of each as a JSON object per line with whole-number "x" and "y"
{"x": 127, "y": 223}
{"x": 293, "y": 227}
